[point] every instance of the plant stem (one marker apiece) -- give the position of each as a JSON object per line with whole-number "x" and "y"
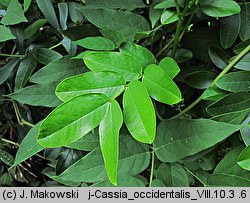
{"x": 165, "y": 47}
{"x": 17, "y": 145}
{"x": 152, "y": 168}
{"x": 10, "y": 142}
{"x": 24, "y": 122}
{"x": 11, "y": 55}
{"x": 195, "y": 176}
{"x": 230, "y": 65}
{"x": 57, "y": 45}
{"x": 179, "y": 25}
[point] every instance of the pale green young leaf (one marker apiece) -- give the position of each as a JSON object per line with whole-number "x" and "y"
{"x": 168, "y": 17}
{"x": 139, "y": 113}
{"x": 73, "y": 120}
{"x": 160, "y": 86}
{"x": 170, "y": 67}
{"x": 219, "y": 8}
{"x": 105, "y": 82}
{"x": 121, "y": 63}
{"x": 244, "y": 159}
{"x": 109, "y": 139}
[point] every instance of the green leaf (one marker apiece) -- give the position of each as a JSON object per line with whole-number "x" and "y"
{"x": 160, "y": 86}
{"x": 25, "y": 69}
{"x": 5, "y": 34}
{"x": 192, "y": 137}
{"x": 228, "y": 165}
{"x": 154, "y": 16}
{"x": 14, "y": 14}
{"x": 105, "y": 82}
{"x": 200, "y": 79}
{"x": 96, "y": 43}
{"x": 32, "y": 29}
{"x": 88, "y": 142}
{"x": 57, "y": 71}
{"x": 168, "y": 17}
{"x": 37, "y": 95}
{"x": 6, "y": 70}
{"x": 209, "y": 161}
{"x": 140, "y": 53}
{"x": 6, "y": 157}
{"x": 219, "y": 56}
{"x": 114, "y": 36}
{"x": 241, "y": 46}
{"x": 244, "y": 63}
{"x": 230, "y": 103}
{"x": 28, "y": 146}
{"x": 235, "y": 82}
{"x": 63, "y": 13}
{"x": 109, "y": 139}
{"x": 122, "y": 181}
{"x": 157, "y": 183}
{"x": 170, "y": 67}
{"x": 52, "y": 175}
{"x": 219, "y": 8}
{"x": 200, "y": 39}
{"x": 124, "y": 4}
{"x": 183, "y": 55}
{"x": 172, "y": 175}
{"x": 26, "y": 5}
{"x": 244, "y": 159}
{"x": 102, "y": 18}
{"x": 245, "y": 18}
{"x": 245, "y": 132}
{"x": 228, "y": 172}
{"x": 67, "y": 158}
{"x": 73, "y": 120}
{"x": 48, "y": 11}
{"x": 213, "y": 93}
{"x": 122, "y": 63}
{"x": 169, "y": 4}
{"x": 235, "y": 118}
{"x": 139, "y": 113}
{"x": 91, "y": 168}
{"x": 46, "y": 56}
{"x": 75, "y": 15}
{"x": 227, "y": 180}
{"x": 229, "y": 30}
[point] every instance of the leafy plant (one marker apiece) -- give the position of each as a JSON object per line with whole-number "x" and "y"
{"x": 125, "y": 93}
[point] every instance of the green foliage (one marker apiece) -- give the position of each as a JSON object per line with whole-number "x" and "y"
{"x": 125, "y": 93}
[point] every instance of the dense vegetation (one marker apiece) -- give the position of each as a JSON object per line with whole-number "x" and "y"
{"x": 124, "y": 92}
